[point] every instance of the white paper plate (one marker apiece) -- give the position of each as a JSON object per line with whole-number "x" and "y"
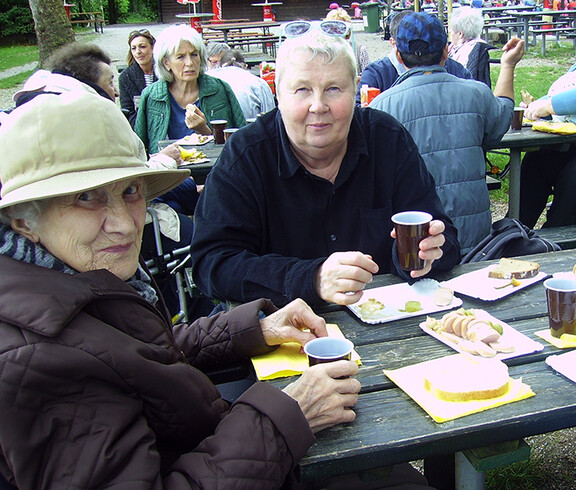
{"x": 187, "y": 163}
{"x": 195, "y": 139}
{"x": 564, "y": 363}
{"x": 477, "y": 284}
{"x": 522, "y": 344}
{"x": 395, "y": 297}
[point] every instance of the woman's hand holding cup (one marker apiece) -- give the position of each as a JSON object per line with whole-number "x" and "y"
{"x": 326, "y": 393}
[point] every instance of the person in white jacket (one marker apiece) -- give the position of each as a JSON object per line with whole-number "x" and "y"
{"x": 253, "y": 93}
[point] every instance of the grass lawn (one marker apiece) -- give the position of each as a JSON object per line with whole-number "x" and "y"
{"x": 11, "y": 56}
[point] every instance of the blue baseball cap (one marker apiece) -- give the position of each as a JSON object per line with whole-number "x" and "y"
{"x": 423, "y": 27}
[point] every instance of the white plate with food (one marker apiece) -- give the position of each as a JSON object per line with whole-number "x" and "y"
{"x": 195, "y": 139}
{"x": 477, "y": 333}
{"x": 388, "y": 303}
{"x": 192, "y": 156}
{"x": 498, "y": 280}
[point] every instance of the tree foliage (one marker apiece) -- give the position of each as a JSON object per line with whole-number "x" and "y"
{"x": 15, "y": 18}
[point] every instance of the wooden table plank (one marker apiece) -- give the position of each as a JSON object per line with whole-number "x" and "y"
{"x": 391, "y": 428}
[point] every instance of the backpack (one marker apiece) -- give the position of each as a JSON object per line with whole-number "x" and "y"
{"x": 509, "y": 238}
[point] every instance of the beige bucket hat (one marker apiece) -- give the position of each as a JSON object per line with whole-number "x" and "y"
{"x": 63, "y": 144}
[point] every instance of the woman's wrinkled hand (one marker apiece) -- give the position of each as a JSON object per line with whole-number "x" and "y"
{"x": 324, "y": 398}
{"x": 430, "y": 247}
{"x": 288, "y": 324}
{"x": 539, "y": 108}
{"x": 196, "y": 120}
{"x": 341, "y": 277}
{"x": 173, "y": 151}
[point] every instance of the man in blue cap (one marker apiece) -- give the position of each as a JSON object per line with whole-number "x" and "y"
{"x": 382, "y": 73}
{"x": 451, "y": 119}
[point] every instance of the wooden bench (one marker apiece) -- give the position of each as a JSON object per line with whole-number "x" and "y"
{"x": 95, "y": 18}
{"x": 565, "y": 236}
{"x": 558, "y": 28}
{"x": 268, "y": 43}
{"x": 508, "y": 25}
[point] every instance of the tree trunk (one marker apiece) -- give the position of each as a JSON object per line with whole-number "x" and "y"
{"x": 52, "y": 27}
{"x": 112, "y": 12}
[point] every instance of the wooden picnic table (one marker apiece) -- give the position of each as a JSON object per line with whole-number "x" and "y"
{"x": 527, "y": 16}
{"x": 267, "y": 13}
{"x": 226, "y": 27}
{"x": 265, "y": 37}
{"x": 392, "y": 428}
{"x": 195, "y": 19}
{"x": 95, "y": 18}
{"x": 500, "y": 10}
{"x": 518, "y": 141}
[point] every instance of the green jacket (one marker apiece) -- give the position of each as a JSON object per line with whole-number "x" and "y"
{"x": 217, "y": 101}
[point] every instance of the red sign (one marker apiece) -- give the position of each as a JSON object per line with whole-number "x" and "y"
{"x": 217, "y": 9}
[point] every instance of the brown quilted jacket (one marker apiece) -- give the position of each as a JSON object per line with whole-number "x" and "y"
{"x": 97, "y": 391}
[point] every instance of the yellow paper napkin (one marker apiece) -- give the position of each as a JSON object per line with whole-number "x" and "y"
{"x": 411, "y": 380}
{"x": 554, "y": 127}
{"x": 566, "y": 341}
{"x": 288, "y": 360}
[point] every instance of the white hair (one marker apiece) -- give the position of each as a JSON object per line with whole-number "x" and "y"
{"x": 168, "y": 42}
{"x": 315, "y": 43}
{"x": 467, "y": 20}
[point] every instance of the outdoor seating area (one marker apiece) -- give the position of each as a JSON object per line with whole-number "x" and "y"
{"x": 95, "y": 19}
{"x": 530, "y": 24}
{"x": 243, "y": 34}
{"x": 303, "y": 200}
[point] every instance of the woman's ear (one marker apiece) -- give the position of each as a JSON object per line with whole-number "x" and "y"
{"x": 21, "y": 227}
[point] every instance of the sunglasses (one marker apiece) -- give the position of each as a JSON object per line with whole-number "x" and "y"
{"x": 142, "y": 32}
{"x": 334, "y": 28}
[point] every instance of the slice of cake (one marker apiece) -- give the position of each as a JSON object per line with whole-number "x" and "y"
{"x": 460, "y": 379}
{"x": 514, "y": 269}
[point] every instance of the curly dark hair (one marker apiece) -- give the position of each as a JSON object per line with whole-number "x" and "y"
{"x": 78, "y": 60}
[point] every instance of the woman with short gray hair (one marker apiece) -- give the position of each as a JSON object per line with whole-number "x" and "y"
{"x": 184, "y": 99}
{"x": 467, "y": 48}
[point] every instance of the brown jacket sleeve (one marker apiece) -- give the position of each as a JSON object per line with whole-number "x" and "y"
{"x": 226, "y": 336}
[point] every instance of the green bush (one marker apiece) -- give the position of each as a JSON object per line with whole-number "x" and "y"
{"x": 16, "y": 21}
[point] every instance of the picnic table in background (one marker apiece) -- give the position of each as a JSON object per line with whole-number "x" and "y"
{"x": 535, "y": 20}
{"x": 267, "y": 13}
{"x": 238, "y": 34}
{"x": 95, "y": 18}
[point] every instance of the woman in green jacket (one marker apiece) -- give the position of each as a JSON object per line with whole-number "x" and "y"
{"x": 184, "y": 99}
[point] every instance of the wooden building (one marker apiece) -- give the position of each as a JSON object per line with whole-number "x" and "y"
{"x": 243, "y": 9}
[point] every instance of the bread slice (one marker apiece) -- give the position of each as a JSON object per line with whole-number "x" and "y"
{"x": 460, "y": 379}
{"x": 514, "y": 269}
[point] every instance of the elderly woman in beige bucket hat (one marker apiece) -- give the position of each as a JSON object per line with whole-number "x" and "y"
{"x": 97, "y": 389}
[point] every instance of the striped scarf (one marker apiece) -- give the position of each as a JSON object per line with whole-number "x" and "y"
{"x": 20, "y": 248}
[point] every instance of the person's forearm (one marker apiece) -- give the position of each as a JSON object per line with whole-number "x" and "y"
{"x": 505, "y": 83}
{"x": 564, "y": 103}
